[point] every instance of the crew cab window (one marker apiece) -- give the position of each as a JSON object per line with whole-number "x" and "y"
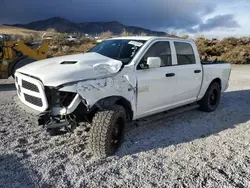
{"x": 185, "y": 53}
{"x": 159, "y": 49}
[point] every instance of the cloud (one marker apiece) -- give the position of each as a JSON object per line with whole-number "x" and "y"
{"x": 157, "y": 14}
{"x": 220, "y": 21}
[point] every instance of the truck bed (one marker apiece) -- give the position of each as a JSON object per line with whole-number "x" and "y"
{"x": 216, "y": 70}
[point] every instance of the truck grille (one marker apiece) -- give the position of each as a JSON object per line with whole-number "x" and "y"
{"x": 29, "y": 86}
{"x": 33, "y": 100}
{"x": 31, "y": 92}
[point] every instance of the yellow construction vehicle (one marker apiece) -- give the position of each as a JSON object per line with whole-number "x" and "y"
{"x": 14, "y": 55}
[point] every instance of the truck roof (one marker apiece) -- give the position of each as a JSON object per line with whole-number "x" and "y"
{"x": 146, "y": 38}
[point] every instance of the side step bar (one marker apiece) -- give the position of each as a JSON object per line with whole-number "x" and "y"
{"x": 162, "y": 115}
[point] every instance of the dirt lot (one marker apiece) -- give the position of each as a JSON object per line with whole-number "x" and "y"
{"x": 192, "y": 149}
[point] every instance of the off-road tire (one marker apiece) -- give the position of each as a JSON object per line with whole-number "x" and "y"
{"x": 100, "y": 141}
{"x": 205, "y": 103}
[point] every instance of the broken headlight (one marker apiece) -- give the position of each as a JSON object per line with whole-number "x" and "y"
{"x": 61, "y": 98}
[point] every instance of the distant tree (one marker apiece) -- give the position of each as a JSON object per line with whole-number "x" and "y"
{"x": 51, "y": 30}
{"x": 143, "y": 34}
{"x": 172, "y": 34}
{"x": 125, "y": 33}
{"x": 106, "y": 35}
{"x": 185, "y": 36}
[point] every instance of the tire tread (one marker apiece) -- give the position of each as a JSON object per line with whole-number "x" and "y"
{"x": 101, "y": 125}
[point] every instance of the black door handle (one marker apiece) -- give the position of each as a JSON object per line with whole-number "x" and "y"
{"x": 197, "y": 71}
{"x": 170, "y": 74}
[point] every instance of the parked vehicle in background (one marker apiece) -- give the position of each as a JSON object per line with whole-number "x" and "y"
{"x": 117, "y": 81}
{"x": 72, "y": 39}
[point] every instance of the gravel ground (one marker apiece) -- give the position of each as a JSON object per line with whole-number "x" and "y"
{"x": 192, "y": 149}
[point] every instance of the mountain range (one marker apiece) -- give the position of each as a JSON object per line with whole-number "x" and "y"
{"x": 93, "y": 28}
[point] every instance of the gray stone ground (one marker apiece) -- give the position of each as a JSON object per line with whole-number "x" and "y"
{"x": 192, "y": 149}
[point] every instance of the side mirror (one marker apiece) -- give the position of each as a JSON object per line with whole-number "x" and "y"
{"x": 153, "y": 62}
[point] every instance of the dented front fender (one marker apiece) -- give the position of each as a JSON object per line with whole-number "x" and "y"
{"x": 94, "y": 90}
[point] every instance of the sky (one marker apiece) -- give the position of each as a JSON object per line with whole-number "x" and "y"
{"x": 210, "y": 18}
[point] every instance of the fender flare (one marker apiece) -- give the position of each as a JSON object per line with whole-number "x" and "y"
{"x": 116, "y": 100}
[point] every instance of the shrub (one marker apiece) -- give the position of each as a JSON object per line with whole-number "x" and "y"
{"x": 184, "y": 36}
{"x": 232, "y": 50}
{"x": 60, "y": 46}
{"x": 125, "y": 33}
{"x": 51, "y": 30}
{"x": 143, "y": 34}
{"x": 106, "y": 35}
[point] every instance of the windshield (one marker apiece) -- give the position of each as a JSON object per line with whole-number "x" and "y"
{"x": 122, "y": 50}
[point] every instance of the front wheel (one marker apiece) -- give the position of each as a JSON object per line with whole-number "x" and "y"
{"x": 211, "y": 99}
{"x": 107, "y": 131}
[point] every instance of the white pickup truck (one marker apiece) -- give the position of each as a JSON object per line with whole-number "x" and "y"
{"x": 120, "y": 80}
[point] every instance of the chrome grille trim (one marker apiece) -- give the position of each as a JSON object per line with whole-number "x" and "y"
{"x": 31, "y": 92}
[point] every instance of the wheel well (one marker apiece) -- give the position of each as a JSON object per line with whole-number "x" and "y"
{"x": 109, "y": 101}
{"x": 217, "y": 80}
{"x": 127, "y": 106}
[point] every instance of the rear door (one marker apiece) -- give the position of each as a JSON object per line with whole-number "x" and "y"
{"x": 156, "y": 86}
{"x": 188, "y": 72}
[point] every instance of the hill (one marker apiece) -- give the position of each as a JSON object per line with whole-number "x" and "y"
{"x": 63, "y": 25}
{"x": 10, "y": 30}
{"x": 17, "y": 32}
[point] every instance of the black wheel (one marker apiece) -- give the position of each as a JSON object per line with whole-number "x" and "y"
{"x": 21, "y": 63}
{"x": 211, "y": 99}
{"x": 107, "y": 131}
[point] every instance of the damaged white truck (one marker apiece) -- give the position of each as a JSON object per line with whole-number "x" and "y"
{"x": 117, "y": 81}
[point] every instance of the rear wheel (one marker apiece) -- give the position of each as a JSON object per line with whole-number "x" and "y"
{"x": 107, "y": 131}
{"x": 211, "y": 99}
{"x": 21, "y": 63}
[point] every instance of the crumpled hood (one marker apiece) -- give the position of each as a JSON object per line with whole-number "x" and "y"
{"x": 65, "y": 69}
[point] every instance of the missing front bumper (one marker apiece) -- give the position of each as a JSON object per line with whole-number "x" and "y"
{"x": 49, "y": 122}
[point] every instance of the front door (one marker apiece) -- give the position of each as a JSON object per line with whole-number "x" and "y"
{"x": 156, "y": 86}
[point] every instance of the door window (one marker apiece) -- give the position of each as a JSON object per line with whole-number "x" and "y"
{"x": 185, "y": 53}
{"x": 159, "y": 49}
